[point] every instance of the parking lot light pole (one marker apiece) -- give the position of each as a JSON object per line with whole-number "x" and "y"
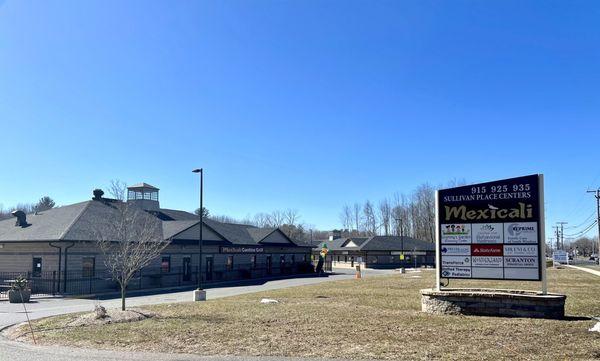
{"x": 200, "y": 294}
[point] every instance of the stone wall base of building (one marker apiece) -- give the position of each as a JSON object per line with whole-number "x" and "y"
{"x": 493, "y": 302}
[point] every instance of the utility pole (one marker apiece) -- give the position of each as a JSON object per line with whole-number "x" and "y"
{"x": 597, "y": 195}
{"x": 557, "y": 232}
{"x": 562, "y": 234}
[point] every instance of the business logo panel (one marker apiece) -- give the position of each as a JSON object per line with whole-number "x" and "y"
{"x": 488, "y": 228}
{"x": 525, "y": 232}
{"x": 487, "y": 233}
{"x": 456, "y": 250}
{"x": 456, "y": 233}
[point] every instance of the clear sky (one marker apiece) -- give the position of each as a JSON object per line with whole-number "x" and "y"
{"x": 298, "y": 104}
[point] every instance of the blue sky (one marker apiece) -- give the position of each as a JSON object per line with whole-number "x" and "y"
{"x": 298, "y": 104}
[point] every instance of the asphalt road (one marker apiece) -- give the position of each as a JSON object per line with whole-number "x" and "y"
{"x": 14, "y": 313}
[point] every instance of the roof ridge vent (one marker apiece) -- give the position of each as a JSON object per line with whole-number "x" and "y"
{"x": 98, "y": 193}
{"x": 21, "y": 218}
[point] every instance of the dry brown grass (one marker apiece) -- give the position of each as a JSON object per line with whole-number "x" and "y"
{"x": 373, "y": 318}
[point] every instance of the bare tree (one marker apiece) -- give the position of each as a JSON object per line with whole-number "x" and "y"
{"x": 291, "y": 217}
{"x": 385, "y": 215}
{"x": 130, "y": 239}
{"x": 357, "y": 216}
{"x": 25, "y": 207}
{"x": 370, "y": 218}
{"x": 277, "y": 219}
{"x": 117, "y": 189}
{"x": 346, "y": 217}
{"x": 262, "y": 220}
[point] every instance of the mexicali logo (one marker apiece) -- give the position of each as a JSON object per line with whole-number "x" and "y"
{"x": 523, "y": 211}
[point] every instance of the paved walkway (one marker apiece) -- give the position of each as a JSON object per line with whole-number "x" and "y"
{"x": 17, "y": 351}
{"x": 585, "y": 269}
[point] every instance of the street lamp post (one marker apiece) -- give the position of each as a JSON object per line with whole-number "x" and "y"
{"x": 399, "y": 222}
{"x": 200, "y": 294}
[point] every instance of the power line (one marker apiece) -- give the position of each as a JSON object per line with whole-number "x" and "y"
{"x": 576, "y": 209}
{"x": 584, "y": 222}
{"x": 583, "y": 232}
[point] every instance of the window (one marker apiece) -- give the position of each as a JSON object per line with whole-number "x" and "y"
{"x": 165, "y": 264}
{"x": 229, "y": 263}
{"x": 253, "y": 262}
{"x": 282, "y": 261}
{"x": 293, "y": 259}
{"x": 88, "y": 266}
{"x": 37, "y": 267}
{"x": 154, "y": 196}
{"x": 303, "y": 258}
{"x": 146, "y": 195}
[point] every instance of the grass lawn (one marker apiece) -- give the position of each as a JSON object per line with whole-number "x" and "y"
{"x": 372, "y": 318}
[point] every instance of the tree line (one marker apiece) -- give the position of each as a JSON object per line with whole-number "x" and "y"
{"x": 585, "y": 246}
{"x": 410, "y": 215}
{"x": 43, "y": 204}
{"x": 288, "y": 220}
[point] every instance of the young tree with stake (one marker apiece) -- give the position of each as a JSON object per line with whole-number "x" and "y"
{"x": 130, "y": 239}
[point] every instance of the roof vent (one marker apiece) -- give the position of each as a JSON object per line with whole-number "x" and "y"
{"x": 98, "y": 193}
{"x": 21, "y": 218}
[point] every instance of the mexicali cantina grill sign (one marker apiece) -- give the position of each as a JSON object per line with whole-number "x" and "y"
{"x": 225, "y": 249}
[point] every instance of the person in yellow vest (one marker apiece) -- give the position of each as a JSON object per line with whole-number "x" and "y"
{"x": 322, "y": 256}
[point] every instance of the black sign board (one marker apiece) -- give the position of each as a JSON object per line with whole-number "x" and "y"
{"x": 491, "y": 230}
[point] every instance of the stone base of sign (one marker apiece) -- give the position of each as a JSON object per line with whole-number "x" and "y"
{"x": 493, "y": 302}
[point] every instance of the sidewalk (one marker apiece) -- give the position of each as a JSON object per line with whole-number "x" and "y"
{"x": 584, "y": 269}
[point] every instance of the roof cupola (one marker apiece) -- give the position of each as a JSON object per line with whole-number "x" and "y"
{"x": 144, "y": 195}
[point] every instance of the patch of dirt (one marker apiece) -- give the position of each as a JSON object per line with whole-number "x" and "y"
{"x": 21, "y": 332}
{"x": 112, "y": 316}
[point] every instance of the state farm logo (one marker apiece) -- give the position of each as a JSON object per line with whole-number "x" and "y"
{"x": 486, "y": 250}
{"x": 516, "y": 229}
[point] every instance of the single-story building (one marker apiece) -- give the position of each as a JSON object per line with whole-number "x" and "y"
{"x": 377, "y": 252}
{"x": 57, "y": 249}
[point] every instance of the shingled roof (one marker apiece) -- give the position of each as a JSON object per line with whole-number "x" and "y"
{"x": 80, "y": 222}
{"x": 378, "y": 243}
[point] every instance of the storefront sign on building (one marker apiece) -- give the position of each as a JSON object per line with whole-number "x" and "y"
{"x": 226, "y": 249}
